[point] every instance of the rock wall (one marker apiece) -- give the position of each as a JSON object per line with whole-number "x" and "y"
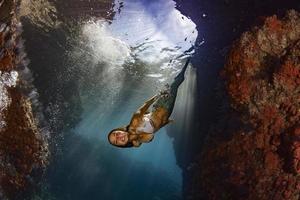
{"x": 219, "y": 24}
{"x": 23, "y": 146}
{"x": 258, "y": 158}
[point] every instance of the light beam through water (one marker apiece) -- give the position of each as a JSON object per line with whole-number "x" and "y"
{"x": 121, "y": 65}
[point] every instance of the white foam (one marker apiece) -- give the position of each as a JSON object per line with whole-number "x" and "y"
{"x": 7, "y": 80}
{"x": 155, "y": 75}
{"x": 104, "y": 47}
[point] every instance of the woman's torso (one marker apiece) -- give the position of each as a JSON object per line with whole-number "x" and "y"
{"x": 146, "y": 125}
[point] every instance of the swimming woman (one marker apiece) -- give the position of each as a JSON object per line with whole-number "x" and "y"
{"x": 143, "y": 123}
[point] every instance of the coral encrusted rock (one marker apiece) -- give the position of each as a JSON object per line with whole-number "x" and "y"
{"x": 23, "y": 147}
{"x": 260, "y": 157}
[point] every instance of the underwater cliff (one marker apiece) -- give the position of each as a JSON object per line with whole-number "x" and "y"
{"x": 219, "y": 24}
{"x": 253, "y": 151}
{"x": 23, "y": 142}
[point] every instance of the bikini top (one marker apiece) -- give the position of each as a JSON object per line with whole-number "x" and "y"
{"x": 146, "y": 125}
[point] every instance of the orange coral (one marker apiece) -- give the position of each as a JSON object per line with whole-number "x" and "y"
{"x": 6, "y": 63}
{"x": 23, "y": 150}
{"x": 262, "y": 158}
{"x": 274, "y": 24}
{"x": 20, "y": 145}
{"x": 288, "y": 75}
{"x": 240, "y": 92}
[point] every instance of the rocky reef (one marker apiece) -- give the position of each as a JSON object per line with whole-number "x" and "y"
{"x": 254, "y": 151}
{"x": 33, "y": 97}
{"x": 23, "y": 146}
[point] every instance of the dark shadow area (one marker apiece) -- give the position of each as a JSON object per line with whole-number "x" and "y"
{"x": 56, "y": 84}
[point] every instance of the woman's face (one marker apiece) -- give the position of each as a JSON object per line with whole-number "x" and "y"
{"x": 118, "y": 138}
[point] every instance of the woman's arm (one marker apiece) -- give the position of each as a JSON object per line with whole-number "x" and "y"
{"x": 143, "y": 109}
{"x": 136, "y": 143}
{"x": 142, "y": 138}
{"x": 137, "y": 116}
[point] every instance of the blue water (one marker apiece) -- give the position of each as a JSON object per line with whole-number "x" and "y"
{"x": 122, "y": 64}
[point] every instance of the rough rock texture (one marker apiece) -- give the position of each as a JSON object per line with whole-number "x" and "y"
{"x": 259, "y": 157}
{"x": 42, "y": 13}
{"x": 219, "y": 24}
{"x": 23, "y": 150}
{"x": 84, "y": 10}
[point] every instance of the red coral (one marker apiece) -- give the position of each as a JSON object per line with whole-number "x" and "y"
{"x": 20, "y": 145}
{"x": 270, "y": 120}
{"x": 23, "y": 150}
{"x": 240, "y": 92}
{"x": 292, "y": 140}
{"x": 262, "y": 76}
{"x": 288, "y": 76}
{"x": 274, "y": 24}
{"x": 271, "y": 161}
{"x": 6, "y": 63}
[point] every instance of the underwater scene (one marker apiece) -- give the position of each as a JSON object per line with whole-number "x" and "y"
{"x": 149, "y": 100}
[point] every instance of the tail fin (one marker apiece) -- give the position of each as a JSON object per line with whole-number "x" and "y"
{"x": 181, "y": 73}
{"x": 186, "y": 64}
